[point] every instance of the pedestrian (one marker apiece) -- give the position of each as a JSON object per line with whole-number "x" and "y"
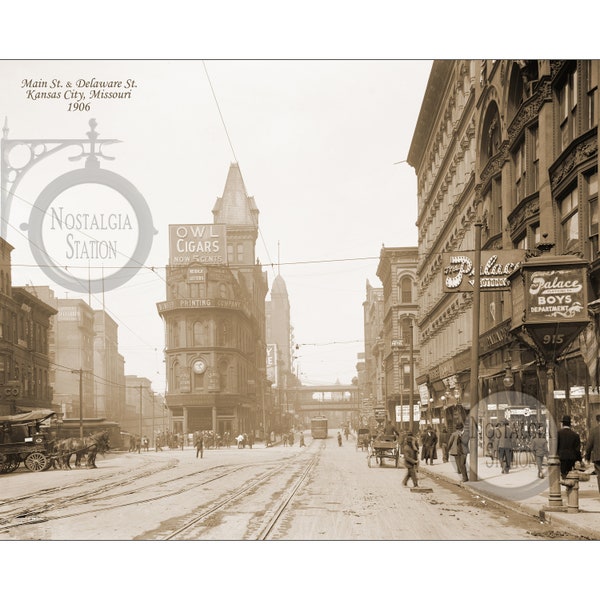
{"x": 410, "y": 450}
{"x": 568, "y": 446}
{"x": 200, "y": 445}
{"x": 390, "y": 430}
{"x": 339, "y": 438}
{"x": 592, "y": 448}
{"x": 505, "y": 445}
{"x": 302, "y": 439}
{"x": 430, "y": 444}
{"x": 250, "y": 440}
{"x": 444, "y": 437}
{"x": 539, "y": 447}
{"x": 458, "y": 449}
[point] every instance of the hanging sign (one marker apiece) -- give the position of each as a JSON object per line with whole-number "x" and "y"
{"x": 549, "y": 302}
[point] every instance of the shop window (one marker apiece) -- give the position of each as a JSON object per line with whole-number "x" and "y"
{"x": 569, "y": 222}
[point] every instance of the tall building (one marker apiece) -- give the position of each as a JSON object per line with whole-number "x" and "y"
{"x": 84, "y": 350}
{"x": 509, "y": 147}
{"x": 279, "y": 351}
{"x": 214, "y": 319}
{"x": 24, "y": 344}
{"x": 397, "y": 350}
{"x": 109, "y": 369}
{"x": 373, "y": 387}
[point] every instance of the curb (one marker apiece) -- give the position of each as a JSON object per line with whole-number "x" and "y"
{"x": 547, "y": 516}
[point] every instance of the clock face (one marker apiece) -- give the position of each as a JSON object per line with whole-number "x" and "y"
{"x": 199, "y": 367}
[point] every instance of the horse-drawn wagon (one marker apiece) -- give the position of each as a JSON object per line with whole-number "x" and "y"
{"x": 384, "y": 448}
{"x": 363, "y": 438}
{"x": 23, "y": 439}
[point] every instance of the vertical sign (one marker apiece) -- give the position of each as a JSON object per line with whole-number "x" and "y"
{"x": 272, "y": 363}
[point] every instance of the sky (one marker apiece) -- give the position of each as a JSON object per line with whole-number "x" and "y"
{"x": 320, "y": 145}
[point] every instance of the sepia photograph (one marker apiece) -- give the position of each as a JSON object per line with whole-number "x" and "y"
{"x": 319, "y": 300}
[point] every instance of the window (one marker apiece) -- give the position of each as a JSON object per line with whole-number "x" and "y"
{"x": 534, "y": 144}
{"x": 202, "y": 333}
{"x": 569, "y": 221}
{"x": 405, "y": 331}
{"x": 592, "y": 93}
{"x": 530, "y": 239}
{"x": 520, "y": 172}
{"x": 591, "y": 191}
{"x": 567, "y": 103}
{"x": 405, "y": 375}
{"x": 406, "y": 290}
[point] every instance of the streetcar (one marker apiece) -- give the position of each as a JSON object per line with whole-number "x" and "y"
{"x": 70, "y": 428}
{"x": 318, "y": 428}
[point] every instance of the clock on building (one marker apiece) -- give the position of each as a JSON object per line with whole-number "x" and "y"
{"x": 199, "y": 366}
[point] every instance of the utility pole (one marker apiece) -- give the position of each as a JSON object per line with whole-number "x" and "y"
{"x": 474, "y": 380}
{"x": 80, "y": 371}
{"x": 411, "y": 409}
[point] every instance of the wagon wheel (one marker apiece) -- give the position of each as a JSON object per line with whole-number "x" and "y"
{"x": 36, "y": 461}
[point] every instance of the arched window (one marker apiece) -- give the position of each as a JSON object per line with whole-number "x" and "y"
{"x": 406, "y": 291}
{"x": 490, "y": 134}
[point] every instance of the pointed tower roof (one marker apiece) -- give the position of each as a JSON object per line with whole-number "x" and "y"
{"x": 279, "y": 286}
{"x": 235, "y": 207}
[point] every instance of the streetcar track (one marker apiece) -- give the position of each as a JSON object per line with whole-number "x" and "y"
{"x": 243, "y": 492}
{"x": 283, "y": 505}
{"x": 35, "y": 514}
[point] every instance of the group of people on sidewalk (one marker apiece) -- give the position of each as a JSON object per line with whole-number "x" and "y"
{"x": 455, "y": 448}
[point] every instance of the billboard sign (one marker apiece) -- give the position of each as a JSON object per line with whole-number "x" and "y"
{"x": 204, "y": 244}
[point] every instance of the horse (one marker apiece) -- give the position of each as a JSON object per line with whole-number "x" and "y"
{"x": 88, "y": 447}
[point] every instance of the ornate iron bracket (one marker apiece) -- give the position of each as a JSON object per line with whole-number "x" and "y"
{"x": 12, "y": 174}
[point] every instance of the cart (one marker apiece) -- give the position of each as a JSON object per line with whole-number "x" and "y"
{"x": 363, "y": 439}
{"x": 386, "y": 448}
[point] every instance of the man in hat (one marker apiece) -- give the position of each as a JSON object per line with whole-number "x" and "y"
{"x": 458, "y": 447}
{"x": 568, "y": 446}
{"x": 505, "y": 445}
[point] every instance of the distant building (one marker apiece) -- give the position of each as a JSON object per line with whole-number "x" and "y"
{"x": 279, "y": 351}
{"x": 214, "y": 318}
{"x": 109, "y": 368}
{"x": 397, "y": 271}
{"x": 373, "y": 387}
{"x": 83, "y": 345}
{"x": 24, "y": 344}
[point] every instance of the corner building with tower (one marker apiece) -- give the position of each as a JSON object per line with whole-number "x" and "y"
{"x": 214, "y": 317}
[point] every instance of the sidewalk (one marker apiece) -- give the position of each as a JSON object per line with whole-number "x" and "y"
{"x": 521, "y": 489}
